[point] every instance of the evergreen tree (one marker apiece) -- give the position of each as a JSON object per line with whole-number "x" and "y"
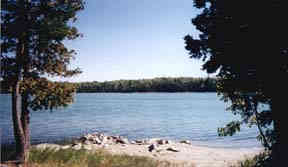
{"x": 32, "y": 48}
{"x": 246, "y": 43}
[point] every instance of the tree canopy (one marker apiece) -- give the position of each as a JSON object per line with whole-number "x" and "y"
{"x": 245, "y": 43}
{"x": 32, "y": 48}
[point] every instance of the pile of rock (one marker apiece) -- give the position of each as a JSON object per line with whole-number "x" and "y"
{"x": 152, "y": 141}
{"x": 101, "y": 139}
{"x": 96, "y": 140}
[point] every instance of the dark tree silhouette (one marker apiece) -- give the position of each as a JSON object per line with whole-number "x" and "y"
{"x": 245, "y": 43}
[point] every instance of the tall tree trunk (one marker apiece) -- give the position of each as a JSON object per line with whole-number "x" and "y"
{"x": 25, "y": 120}
{"x": 17, "y": 113}
{"x": 25, "y": 117}
{"x": 16, "y": 116}
{"x": 20, "y": 103}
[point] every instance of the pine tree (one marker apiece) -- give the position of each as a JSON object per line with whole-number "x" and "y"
{"x": 32, "y": 49}
{"x": 245, "y": 43}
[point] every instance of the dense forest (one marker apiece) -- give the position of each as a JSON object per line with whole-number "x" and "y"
{"x": 164, "y": 84}
{"x": 167, "y": 84}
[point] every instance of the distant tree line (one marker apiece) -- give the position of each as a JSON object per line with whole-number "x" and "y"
{"x": 164, "y": 84}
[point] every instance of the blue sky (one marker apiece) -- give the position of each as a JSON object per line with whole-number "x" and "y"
{"x": 129, "y": 39}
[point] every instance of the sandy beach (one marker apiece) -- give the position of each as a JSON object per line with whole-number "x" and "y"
{"x": 187, "y": 155}
{"x": 182, "y": 152}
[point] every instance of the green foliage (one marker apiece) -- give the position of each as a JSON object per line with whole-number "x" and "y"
{"x": 230, "y": 129}
{"x": 39, "y": 44}
{"x": 182, "y": 84}
{"x": 48, "y": 95}
{"x": 44, "y": 25}
{"x": 32, "y": 48}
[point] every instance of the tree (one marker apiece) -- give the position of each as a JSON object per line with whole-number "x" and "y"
{"x": 32, "y": 48}
{"x": 237, "y": 41}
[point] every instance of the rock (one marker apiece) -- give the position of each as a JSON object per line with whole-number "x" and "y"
{"x": 169, "y": 142}
{"x": 185, "y": 142}
{"x": 172, "y": 149}
{"x": 43, "y": 146}
{"x": 82, "y": 139}
{"x": 104, "y": 139}
{"x": 97, "y": 141}
{"x": 77, "y": 146}
{"x": 89, "y": 137}
{"x": 161, "y": 141}
{"x": 140, "y": 142}
{"x": 158, "y": 141}
{"x": 122, "y": 141}
{"x": 65, "y": 147}
{"x": 152, "y": 147}
{"x": 115, "y": 137}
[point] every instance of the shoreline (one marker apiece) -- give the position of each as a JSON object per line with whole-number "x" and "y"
{"x": 179, "y": 152}
{"x": 198, "y": 143}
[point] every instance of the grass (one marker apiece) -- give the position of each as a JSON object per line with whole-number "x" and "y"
{"x": 83, "y": 158}
{"x": 8, "y": 150}
{"x": 260, "y": 160}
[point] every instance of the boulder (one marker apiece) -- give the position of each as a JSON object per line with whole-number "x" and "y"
{"x": 97, "y": 141}
{"x": 185, "y": 142}
{"x": 173, "y": 149}
{"x": 169, "y": 142}
{"x": 65, "y": 147}
{"x": 122, "y": 141}
{"x": 77, "y": 146}
{"x": 43, "y": 146}
{"x": 161, "y": 141}
{"x": 140, "y": 142}
{"x": 152, "y": 147}
{"x": 88, "y": 137}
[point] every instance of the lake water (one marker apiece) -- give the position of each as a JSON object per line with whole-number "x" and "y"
{"x": 177, "y": 116}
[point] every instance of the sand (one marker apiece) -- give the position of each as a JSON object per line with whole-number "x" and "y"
{"x": 188, "y": 155}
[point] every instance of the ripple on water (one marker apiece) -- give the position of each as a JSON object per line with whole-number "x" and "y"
{"x": 187, "y": 116}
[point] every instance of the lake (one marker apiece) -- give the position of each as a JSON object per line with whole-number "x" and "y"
{"x": 177, "y": 116}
